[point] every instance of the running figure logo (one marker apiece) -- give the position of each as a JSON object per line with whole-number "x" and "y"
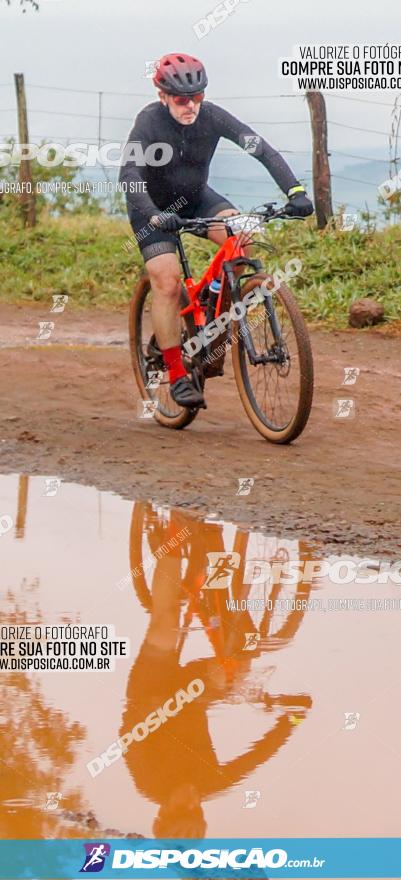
{"x": 96, "y": 854}
{"x": 344, "y": 409}
{"x": 154, "y": 378}
{"x": 251, "y": 143}
{"x": 251, "y": 641}
{"x": 60, "y": 301}
{"x": 251, "y": 799}
{"x": 245, "y": 485}
{"x": 351, "y": 720}
{"x": 148, "y": 410}
{"x": 348, "y": 222}
{"x": 350, "y": 375}
{"x": 221, "y": 569}
{"x": 45, "y": 329}
{"x": 53, "y": 798}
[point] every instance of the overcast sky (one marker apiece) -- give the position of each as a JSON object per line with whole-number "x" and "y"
{"x": 102, "y": 45}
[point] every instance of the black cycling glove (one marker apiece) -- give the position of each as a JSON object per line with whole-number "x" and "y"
{"x": 168, "y": 222}
{"x": 298, "y": 205}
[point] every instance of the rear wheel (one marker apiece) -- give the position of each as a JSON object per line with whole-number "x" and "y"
{"x": 147, "y": 359}
{"x": 276, "y": 392}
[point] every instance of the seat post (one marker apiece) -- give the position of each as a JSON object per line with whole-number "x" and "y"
{"x": 183, "y": 258}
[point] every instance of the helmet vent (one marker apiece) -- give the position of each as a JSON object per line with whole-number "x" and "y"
{"x": 180, "y": 58}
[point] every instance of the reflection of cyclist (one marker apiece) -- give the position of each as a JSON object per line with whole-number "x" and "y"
{"x": 192, "y": 130}
{"x": 227, "y": 632}
{"x": 176, "y": 765}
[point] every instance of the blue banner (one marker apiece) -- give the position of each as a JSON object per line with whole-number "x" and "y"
{"x": 212, "y": 858}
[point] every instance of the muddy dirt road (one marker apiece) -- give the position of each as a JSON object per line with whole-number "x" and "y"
{"x": 70, "y": 408}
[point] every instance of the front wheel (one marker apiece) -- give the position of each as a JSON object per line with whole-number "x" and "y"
{"x": 277, "y": 391}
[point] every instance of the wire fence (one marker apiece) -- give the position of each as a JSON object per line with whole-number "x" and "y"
{"x": 48, "y": 102}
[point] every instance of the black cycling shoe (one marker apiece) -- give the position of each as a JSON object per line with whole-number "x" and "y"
{"x": 184, "y": 393}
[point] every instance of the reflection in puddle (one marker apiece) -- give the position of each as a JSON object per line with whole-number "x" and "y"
{"x": 231, "y": 705}
{"x": 189, "y": 590}
{"x": 37, "y": 744}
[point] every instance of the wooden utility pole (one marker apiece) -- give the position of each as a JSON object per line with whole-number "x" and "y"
{"x": 23, "y": 484}
{"x": 27, "y": 197}
{"x": 321, "y": 167}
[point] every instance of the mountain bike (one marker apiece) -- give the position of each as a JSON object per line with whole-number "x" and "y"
{"x": 253, "y": 314}
{"x": 152, "y": 526}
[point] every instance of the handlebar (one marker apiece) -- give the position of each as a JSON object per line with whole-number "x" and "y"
{"x": 264, "y": 217}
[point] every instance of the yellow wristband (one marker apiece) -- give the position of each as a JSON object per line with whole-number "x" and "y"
{"x": 295, "y": 189}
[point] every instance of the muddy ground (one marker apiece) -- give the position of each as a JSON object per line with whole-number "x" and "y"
{"x": 69, "y": 408}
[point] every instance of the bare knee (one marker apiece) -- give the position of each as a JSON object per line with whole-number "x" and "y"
{"x": 165, "y": 279}
{"x": 167, "y": 286}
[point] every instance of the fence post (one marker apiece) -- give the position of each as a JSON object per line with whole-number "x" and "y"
{"x": 321, "y": 167}
{"x": 27, "y": 197}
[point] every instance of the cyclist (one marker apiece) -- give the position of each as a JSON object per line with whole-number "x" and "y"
{"x": 191, "y": 127}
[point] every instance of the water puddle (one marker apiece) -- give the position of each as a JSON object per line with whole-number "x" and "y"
{"x": 245, "y": 706}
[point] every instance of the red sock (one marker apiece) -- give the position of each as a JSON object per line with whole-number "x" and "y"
{"x": 173, "y": 360}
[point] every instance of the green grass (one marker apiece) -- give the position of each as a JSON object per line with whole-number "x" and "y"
{"x": 83, "y": 256}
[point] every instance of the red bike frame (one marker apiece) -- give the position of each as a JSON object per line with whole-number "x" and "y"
{"x": 231, "y": 249}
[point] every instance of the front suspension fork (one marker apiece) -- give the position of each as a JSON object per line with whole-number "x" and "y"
{"x": 234, "y": 282}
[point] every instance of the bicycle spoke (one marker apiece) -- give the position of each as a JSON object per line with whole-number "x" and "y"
{"x": 274, "y": 386}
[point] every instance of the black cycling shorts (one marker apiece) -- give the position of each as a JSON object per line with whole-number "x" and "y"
{"x": 153, "y": 242}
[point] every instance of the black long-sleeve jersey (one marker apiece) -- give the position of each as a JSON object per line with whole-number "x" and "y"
{"x": 185, "y": 174}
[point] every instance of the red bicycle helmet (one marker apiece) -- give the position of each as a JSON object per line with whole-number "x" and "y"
{"x": 180, "y": 75}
